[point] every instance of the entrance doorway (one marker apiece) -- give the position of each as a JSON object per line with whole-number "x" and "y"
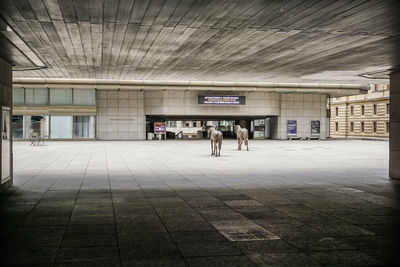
{"x": 195, "y": 128}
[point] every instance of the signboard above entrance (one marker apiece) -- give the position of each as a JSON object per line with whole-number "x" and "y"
{"x": 221, "y": 100}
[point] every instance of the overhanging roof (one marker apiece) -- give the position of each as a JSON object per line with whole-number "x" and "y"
{"x": 331, "y": 89}
{"x": 315, "y": 41}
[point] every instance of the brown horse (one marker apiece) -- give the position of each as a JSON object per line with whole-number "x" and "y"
{"x": 242, "y": 135}
{"x": 216, "y": 139}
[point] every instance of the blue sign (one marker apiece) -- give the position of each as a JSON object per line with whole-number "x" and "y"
{"x": 291, "y": 127}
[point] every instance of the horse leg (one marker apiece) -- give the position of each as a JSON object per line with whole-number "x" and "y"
{"x": 238, "y": 139}
{"x": 246, "y": 142}
{"x": 220, "y": 145}
{"x": 215, "y": 149}
{"x": 212, "y": 148}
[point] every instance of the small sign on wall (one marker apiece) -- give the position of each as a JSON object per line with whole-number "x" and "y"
{"x": 315, "y": 127}
{"x": 291, "y": 127}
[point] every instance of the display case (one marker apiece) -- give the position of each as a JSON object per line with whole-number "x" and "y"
{"x": 259, "y": 129}
{"x": 6, "y": 156}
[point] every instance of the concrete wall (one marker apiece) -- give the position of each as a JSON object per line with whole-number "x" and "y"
{"x": 185, "y": 103}
{"x": 303, "y": 108}
{"x": 5, "y": 100}
{"x": 120, "y": 115}
{"x": 394, "y": 157}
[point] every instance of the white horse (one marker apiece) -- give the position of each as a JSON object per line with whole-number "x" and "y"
{"x": 216, "y": 139}
{"x": 242, "y": 135}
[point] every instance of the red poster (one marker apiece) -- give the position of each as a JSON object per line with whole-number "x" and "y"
{"x": 159, "y": 128}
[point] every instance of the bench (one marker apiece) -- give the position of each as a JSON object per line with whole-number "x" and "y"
{"x": 294, "y": 138}
{"x": 312, "y": 138}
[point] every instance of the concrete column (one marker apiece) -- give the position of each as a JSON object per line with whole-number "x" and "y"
{"x": 5, "y": 100}
{"x": 394, "y": 156}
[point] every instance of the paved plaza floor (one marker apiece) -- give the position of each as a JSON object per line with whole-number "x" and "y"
{"x": 169, "y": 203}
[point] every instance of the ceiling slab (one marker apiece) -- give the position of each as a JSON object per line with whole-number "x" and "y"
{"x": 214, "y": 40}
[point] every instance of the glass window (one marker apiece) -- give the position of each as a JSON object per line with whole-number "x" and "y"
{"x": 18, "y": 126}
{"x": 83, "y": 126}
{"x": 362, "y": 127}
{"x": 84, "y": 97}
{"x": 36, "y": 125}
{"x": 387, "y": 108}
{"x": 375, "y": 109}
{"x": 61, "y": 127}
{"x": 5, "y": 144}
{"x": 336, "y": 126}
{"x": 61, "y": 97}
{"x": 19, "y": 96}
{"x": 352, "y": 110}
{"x": 362, "y": 110}
{"x": 38, "y": 96}
{"x": 171, "y": 123}
{"x": 387, "y": 127}
{"x": 351, "y": 127}
{"x": 374, "y": 123}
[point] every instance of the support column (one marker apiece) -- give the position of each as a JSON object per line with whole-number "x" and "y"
{"x": 6, "y": 133}
{"x": 394, "y": 156}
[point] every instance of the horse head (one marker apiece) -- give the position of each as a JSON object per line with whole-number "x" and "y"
{"x": 237, "y": 128}
{"x": 210, "y": 130}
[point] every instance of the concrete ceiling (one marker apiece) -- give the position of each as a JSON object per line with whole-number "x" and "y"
{"x": 203, "y": 40}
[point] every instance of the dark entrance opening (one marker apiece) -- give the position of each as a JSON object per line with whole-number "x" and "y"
{"x": 194, "y": 127}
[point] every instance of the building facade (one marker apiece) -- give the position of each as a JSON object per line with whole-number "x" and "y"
{"x": 110, "y": 111}
{"x": 61, "y": 113}
{"x": 361, "y": 116}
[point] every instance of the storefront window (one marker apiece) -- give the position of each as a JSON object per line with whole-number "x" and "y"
{"x": 5, "y": 144}
{"x": 84, "y": 97}
{"x": 36, "y": 96}
{"x": 18, "y": 126}
{"x": 36, "y": 125}
{"x": 61, "y": 97}
{"x": 259, "y": 128}
{"x": 83, "y": 127}
{"x": 61, "y": 127}
{"x": 18, "y": 96}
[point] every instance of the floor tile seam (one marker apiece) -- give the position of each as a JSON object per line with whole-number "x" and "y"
{"x": 31, "y": 210}
{"x": 162, "y": 222}
{"x": 356, "y": 250}
{"x": 70, "y": 216}
{"x": 294, "y": 253}
{"x": 90, "y": 246}
{"x": 41, "y": 171}
{"x": 154, "y": 209}
{"x": 168, "y": 232}
{"x": 113, "y": 209}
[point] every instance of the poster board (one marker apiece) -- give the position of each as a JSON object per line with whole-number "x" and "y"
{"x": 315, "y": 127}
{"x": 291, "y": 127}
{"x": 5, "y": 129}
{"x": 159, "y": 128}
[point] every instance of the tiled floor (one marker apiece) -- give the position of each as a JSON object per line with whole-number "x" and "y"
{"x": 283, "y": 203}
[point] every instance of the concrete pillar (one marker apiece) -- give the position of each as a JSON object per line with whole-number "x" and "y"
{"x": 5, "y": 101}
{"x": 394, "y": 156}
